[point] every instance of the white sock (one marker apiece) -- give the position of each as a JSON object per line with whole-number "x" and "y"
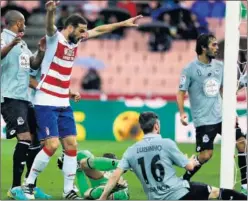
{"x": 69, "y": 170}
{"x": 244, "y": 186}
{"x": 40, "y": 162}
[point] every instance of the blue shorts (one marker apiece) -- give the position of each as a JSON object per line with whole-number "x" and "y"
{"x": 54, "y": 121}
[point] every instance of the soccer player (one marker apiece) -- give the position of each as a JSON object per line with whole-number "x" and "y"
{"x": 152, "y": 160}
{"x": 52, "y": 108}
{"x": 97, "y": 170}
{"x": 203, "y": 80}
{"x": 16, "y": 62}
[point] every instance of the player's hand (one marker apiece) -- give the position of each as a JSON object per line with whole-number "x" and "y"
{"x": 75, "y": 96}
{"x": 184, "y": 119}
{"x": 194, "y": 160}
{"x": 17, "y": 39}
{"x": 42, "y": 44}
{"x": 131, "y": 22}
{"x": 51, "y": 5}
{"x": 121, "y": 184}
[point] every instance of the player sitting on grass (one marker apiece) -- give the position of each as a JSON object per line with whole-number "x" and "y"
{"x": 152, "y": 159}
{"x": 97, "y": 170}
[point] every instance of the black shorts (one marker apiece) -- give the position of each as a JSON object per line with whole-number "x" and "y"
{"x": 205, "y": 136}
{"x": 32, "y": 124}
{"x": 19, "y": 117}
{"x": 197, "y": 191}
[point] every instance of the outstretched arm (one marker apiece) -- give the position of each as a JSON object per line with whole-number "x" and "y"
{"x": 100, "y": 30}
{"x": 50, "y": 17}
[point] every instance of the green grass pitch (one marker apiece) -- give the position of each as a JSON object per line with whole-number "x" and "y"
{"x": 51, "y": 180}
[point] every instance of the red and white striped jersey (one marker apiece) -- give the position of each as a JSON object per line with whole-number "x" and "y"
{"x": 56, "y": 67}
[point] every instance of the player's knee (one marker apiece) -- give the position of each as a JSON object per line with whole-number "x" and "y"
{"x": 215, "y": 192}
{"x": 70, "y": 143}
{"x": 205, "y": 156}
{"x": 24, "y": 136}
{"x": 52, "y": 144}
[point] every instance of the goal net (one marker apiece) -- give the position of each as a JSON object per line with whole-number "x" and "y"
{"x": 235, "y": 55}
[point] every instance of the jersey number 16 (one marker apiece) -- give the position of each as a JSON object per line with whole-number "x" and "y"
{"x": 157, "y": 169}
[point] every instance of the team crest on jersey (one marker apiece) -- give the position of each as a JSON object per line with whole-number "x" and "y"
{"x": 211, "y": 87}
{"x": 69, "y": 52}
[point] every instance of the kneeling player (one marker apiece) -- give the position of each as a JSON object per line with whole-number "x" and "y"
{"x": 97, "y": 170}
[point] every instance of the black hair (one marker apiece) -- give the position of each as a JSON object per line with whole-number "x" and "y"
{"x": 147, "y": 121}
{"x": 203, "y": 42}
{"x": 75, "y": 20}
{"x": 109, "y": 155}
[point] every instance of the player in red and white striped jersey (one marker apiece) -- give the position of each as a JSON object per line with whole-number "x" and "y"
{"x": 53, "y": 112}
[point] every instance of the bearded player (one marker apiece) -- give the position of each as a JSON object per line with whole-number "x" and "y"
{"x": 203, "y": 80}
{"x": 52, "y": 108}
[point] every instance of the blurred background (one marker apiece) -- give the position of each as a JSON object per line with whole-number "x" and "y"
{"x": 132, "y": 69}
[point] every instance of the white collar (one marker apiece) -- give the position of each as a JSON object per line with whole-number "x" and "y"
{"x": 9, "y": 32}
{"x": 152, "y": 135}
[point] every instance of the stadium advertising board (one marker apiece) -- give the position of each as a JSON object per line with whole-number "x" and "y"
{"x": 118, "y": 120}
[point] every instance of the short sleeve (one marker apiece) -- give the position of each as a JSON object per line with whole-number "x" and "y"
{"x": 52, "y": 39}
{"x": 33, "y": 72}
{"x": 184, "y": 80}
{"x": 3, "y": 44}
{"x": 176, "y": 156}
{"x": 124, "y": 162}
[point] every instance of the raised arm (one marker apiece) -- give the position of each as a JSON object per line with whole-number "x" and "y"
{"x": 50, "y": 17}
{"x": 111, "y": 27}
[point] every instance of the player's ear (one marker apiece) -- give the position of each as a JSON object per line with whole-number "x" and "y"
{"x": 203, "y": 48}
{"x": 70, "y": 28}
{"x": 156, "y": 126}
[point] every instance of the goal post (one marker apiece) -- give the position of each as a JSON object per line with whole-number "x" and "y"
{"x": 231, "y": 51}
